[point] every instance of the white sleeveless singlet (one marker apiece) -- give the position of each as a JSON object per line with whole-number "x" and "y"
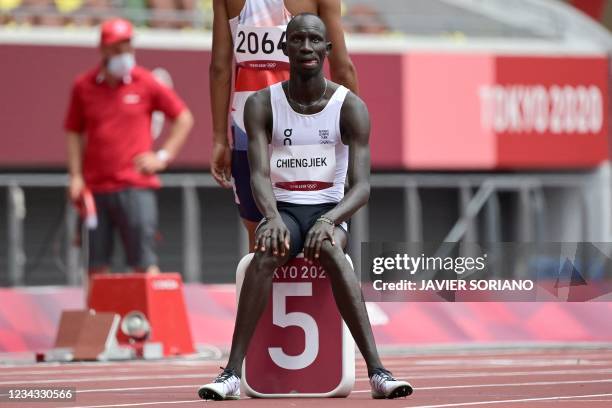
{"x": 308, "y": 161}
{"x": 257, "y": 32}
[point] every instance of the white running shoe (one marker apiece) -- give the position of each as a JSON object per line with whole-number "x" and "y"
{"x": 385, "y": 386}
{"x": 225, "y": 387}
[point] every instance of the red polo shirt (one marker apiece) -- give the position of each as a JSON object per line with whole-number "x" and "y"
{"x": 116, "y": 122}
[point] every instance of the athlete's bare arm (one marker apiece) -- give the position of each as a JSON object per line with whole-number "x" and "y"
{"x": 355, "y": 130}
{"x": 258, "y": 124}
{"x": 342, "y": 69}
{"x": 341, "y": 66}
{"x": 220, "y": 75}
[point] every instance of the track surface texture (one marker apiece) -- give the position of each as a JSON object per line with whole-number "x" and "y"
{"x": 514, "y": 378}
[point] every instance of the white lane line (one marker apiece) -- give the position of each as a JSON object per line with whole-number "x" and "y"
{"x": 490, "y": 363}
{"x": 495, "y": 374}
{"x": 493, "y": 363}
{"x": 528, "y": 384}
{"x": 194, "y": 386}
{"x": 129, "y": 363}
{"x": 566, "y": 397}
{"x": 467, "y": 404}
{"x": 41, "y": 368}
{"x": 120, "y": 389}
{"x": 596, "y": 400}
{"x": 206, "y": 376}
{"x": 165, "y": 387}
{"x": 107, "y": 370}
{"x": 114, "y": 378}
{"x": 139, "y": 404}
{"x": 415, "y": 369}
{"x": 509, "y": 362}
{"x": 445, "y": 364}
{"x": 605, "y": 354}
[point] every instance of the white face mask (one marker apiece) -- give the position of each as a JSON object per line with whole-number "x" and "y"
{"x": 121, "y": 65}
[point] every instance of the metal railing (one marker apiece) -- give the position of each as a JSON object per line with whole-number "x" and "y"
{"x": 478, "y": 193}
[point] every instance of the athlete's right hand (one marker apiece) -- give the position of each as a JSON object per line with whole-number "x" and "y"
{"x": 274, "y": 235}
{"x": 75, "y": 188}
{"x": 221, "y": 164}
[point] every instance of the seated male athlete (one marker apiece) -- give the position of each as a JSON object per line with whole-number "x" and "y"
{"x": 318, "y": 132}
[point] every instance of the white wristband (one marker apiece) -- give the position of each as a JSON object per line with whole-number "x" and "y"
{"x": 162, "y": 155}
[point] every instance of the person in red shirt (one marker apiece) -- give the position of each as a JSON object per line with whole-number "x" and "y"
{"x": 110, "y": 148}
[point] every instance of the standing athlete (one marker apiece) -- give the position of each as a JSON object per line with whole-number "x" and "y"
{"x": 251, "y": 33}
{"x": 318, "y": 133}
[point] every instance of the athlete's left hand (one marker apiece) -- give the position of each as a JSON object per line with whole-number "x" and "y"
{"x": 149, "y": 163}
{"x": 319, "y": 232}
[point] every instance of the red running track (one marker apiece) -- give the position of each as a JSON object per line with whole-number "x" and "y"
{"x": 566, "y": 378}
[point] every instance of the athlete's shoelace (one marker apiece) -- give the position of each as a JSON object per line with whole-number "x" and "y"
{"x": 380, "y": 377}
{"x": 226, "y": 378}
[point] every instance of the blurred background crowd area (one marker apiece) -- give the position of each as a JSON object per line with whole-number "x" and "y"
{"x": 168, "y": 14}
{"x": 359, "y": 16}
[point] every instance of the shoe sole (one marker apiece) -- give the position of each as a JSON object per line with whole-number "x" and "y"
{"x": 207, "y": 394}
{"x": 401, "y": 391}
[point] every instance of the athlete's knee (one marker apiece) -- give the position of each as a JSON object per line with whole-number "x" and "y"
{"x": 264, "y": 263}
{"x": 330, "y": 255}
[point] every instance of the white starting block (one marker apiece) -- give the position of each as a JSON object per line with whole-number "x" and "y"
{"x": 301, "y": 346}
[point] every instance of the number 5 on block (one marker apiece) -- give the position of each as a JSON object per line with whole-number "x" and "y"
{"x": 301, "y": 347}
